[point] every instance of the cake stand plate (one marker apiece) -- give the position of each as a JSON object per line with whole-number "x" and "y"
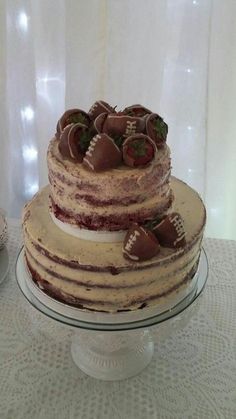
{"x": 119, "y": 345}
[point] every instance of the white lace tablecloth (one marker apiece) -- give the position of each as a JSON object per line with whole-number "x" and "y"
{"x": 192, "y": 374}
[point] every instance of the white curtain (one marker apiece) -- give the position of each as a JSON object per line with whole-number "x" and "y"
{"x": 175, "y": 56}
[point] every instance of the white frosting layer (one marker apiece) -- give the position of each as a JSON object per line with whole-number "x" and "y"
{"x": 91, "y": 235}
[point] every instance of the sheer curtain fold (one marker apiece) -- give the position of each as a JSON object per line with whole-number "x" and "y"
{"x": 221, "y": 134}
{"x": 48, "y": 31}
{"x": 4, "y": 153}
{"x": 163, "y": 53}
{"x": 85, "y": 54}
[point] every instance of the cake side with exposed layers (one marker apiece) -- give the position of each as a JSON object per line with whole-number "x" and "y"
{"x": 96, "y": 276}
{"x": 109, "y": 200}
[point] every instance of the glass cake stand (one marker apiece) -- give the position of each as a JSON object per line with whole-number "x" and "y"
{"x": 114, "y": 346}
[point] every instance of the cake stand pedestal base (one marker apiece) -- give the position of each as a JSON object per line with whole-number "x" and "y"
{"x": 112, "y": 356}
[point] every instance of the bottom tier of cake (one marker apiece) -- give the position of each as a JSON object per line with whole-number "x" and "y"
{"x": 95, "y": 276}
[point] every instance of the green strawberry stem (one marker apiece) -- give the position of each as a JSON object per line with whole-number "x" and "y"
{"x": 118, "y": 140}
{"x": 149, "y": 225}
{"x": 139, "y": 147}
{"x": 84, "y": 141}
{"x": 160, "y": 127}
{"x": 77, "y": 118}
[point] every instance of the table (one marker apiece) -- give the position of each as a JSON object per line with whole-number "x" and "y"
{"x": 192, "y": 374}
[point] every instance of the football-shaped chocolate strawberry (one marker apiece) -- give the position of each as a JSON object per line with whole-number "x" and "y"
{"x": 156, "y": 129}
{"x": 74, "y": 141}
{"x": 136, "y": 110}
{"x": 98, "y": 108}
{"x": 102, "y": 154}
{"x": 138, "y": 150}
{"x": 170, "y": 232}
{"x": 123, "y": 125}
{"x": 72, "y": 116}
{"x": 140, "y": 244}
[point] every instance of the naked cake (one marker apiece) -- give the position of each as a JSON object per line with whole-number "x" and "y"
{"x": 113, "y": 230}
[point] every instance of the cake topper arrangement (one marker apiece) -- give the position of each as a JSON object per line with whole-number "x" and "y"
{"x": 104, "y": 139}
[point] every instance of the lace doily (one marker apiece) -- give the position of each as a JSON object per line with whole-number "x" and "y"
{"x": 192, "y": 374}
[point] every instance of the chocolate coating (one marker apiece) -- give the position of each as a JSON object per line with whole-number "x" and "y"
{"x": 102, "y": 154}
{"x": 100, "y": 107}
{"x": 170, "y": 232}
{"x": 123, "y": 125}
{"x": 140, "y": 244}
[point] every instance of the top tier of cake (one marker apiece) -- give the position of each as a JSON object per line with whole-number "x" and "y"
{"x": 103, "y": 178}
{"x": 108, "y": 200}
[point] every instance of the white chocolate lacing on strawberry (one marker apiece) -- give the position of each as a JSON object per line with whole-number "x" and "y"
{"x": 95, "y": 121}
{"x": 125, "y": 117}
{"x": 159, "y": 224}
{"x": 113, "y": 142}
{"x": 179, "y": 227}
{"x": 104, "y": 106}
{"x": 144, "y": 231}
{"x": 133, "y": 257}
{"x": 131, "y": 128}
{"x": 88, "y": 163}
{"x": 68, "y": 139}
{"x": 132, "y": 240}
{"x": 60, "y": 126}
{"x": 128, "y": 247}
{"x": 92, "y": 144}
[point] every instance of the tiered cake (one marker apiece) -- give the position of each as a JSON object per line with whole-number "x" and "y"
{"x": 113, "y": 231}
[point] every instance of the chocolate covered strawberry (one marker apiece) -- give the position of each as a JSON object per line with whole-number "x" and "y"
{"x": 122, "y": 125}
{"x": 140, "y": 244}
{"x": 74, "y": 141}
{"x": 138, "y": 150}
{"x": 100, "y": 107}
{"x": 102, "y": 154}
{"x": 136, "y": 110}
{"x": 156, "y": 129}
{"x": 170, "y": 231}
{"x": 72, "y": 116}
